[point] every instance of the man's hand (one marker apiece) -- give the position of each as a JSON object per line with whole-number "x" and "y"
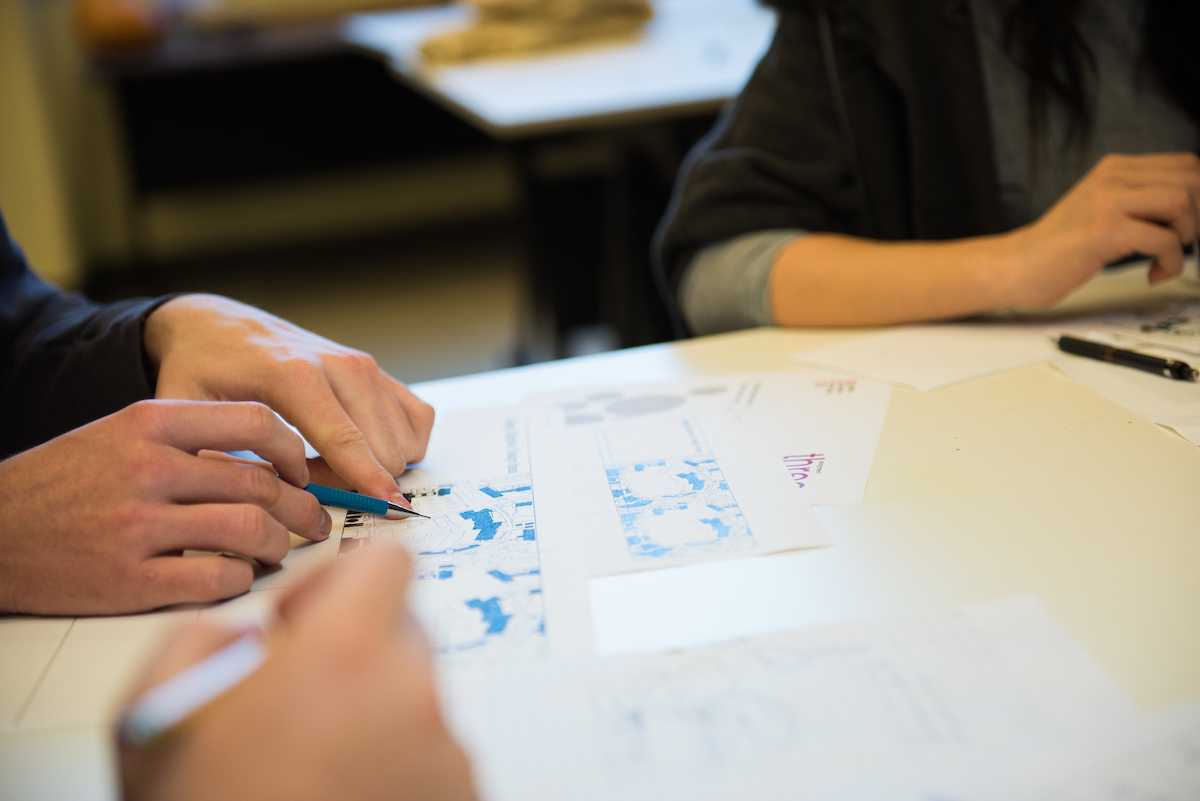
{"x": 343, "y": 708}
{"x": 367, "y": 426}
{"x": 95, "y": 521}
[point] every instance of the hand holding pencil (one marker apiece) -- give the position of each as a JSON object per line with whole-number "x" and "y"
{"x": 343, "y": 705}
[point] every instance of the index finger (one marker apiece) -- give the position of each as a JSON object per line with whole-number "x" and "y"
{"x": 193, "y": 426}
{"x": 315, "y": 410}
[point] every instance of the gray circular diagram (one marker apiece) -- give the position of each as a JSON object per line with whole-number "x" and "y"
{"x": 646, "y": 404}
{"x": 581, "y": 419}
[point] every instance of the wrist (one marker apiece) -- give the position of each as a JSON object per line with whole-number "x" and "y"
{"x": 162, "y": 325}
{"x": 996, "y": 262}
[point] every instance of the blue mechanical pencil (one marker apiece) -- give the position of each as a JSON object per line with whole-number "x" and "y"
{"x": 360, "y": 503}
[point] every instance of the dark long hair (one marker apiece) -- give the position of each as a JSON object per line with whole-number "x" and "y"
{"x": 1043, "y": 38}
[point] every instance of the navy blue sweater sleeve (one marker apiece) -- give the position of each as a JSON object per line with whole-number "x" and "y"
{"x": 64, "y": 360}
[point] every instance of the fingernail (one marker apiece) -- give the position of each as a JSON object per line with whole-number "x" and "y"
{"x": 398, "y": 498}
{"x": 326, "y": 524}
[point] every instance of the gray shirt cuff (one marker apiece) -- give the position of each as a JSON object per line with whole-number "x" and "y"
{"x": 727, "y": 285}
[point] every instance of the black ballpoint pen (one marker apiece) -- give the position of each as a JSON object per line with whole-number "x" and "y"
{"x": 1170, "y": 368}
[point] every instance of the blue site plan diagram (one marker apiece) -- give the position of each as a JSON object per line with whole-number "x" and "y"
{"x": 676, "y": 507}
{"x": 478, "y": 576}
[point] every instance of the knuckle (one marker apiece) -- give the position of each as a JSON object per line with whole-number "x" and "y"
{"x": 146, "y": 573}
{"x": 243, "y": 528}
{"x": 145, "y": 466}
{"x": 352, "y": 362}
{"x": 1107, "y": 163}
{"x": 260, "y": 418}
{"x": 393, "y": 463}
{"x": 1181, "y": 201}
{"x": 416, "y": 451}
{"x": 425, "y": 414}
{"x": 143, "y": 415}
{"x": 267, "y": 539}
{"x": 261, "y": 487}
{"x": 134, "y": 519}
{"x": 276, "y": 546}
{"x": 312, "y": 510}
{"x": 422, "y": 424}
{"x": 366, "y": 361}
{"x": 251, "y": 523}
{"x": 348, "y": 436}
{"x": 212, "y": 578}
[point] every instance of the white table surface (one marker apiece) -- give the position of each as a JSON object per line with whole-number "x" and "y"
{"x": 1019, "y": 483}
{"x": 692, "y": 57}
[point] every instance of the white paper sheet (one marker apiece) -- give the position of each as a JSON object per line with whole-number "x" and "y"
{"x": 1155, "y": 758}
{"x": 478, "y": 588}
{"x": 820, "y": 428}
{"x": 1170, "y": 403}
{"x": 653, "y": 478}
{"x": 927, "y": 357}
{"x": 831, "y": 712}
{"x": 684, "y": 607}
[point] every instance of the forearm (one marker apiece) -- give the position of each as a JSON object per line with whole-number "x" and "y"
{"x": 834, "y": 280}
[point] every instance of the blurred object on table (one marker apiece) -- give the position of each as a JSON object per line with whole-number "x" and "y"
{"x": 118, "y": 24}
{"x": 517, "y": 27}
{"x": 232, "y": 13}
{"x": 107, "y": 25}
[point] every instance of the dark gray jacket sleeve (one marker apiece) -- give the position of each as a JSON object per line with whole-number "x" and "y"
{"x": 64, "y": 360}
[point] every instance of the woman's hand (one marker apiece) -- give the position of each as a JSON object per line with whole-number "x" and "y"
{"x": 95, "y": 521}
{"x": 1125, "y": 205}
{"x": 367, "y": 426}
{"x": 344, "y": 707}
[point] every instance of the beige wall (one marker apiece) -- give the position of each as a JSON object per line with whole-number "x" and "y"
{"x": 33, "y": 192}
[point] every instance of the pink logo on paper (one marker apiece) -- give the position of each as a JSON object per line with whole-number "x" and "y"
{"x": 802, "y": 466}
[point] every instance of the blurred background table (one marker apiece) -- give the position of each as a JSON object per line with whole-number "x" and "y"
{"x": 691, "y": 57}
{"x": 597, "y": 134}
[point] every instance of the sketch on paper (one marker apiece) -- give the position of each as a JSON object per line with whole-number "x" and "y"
{"x": 676, "y": 506}
{"x": 478, "y": 573}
